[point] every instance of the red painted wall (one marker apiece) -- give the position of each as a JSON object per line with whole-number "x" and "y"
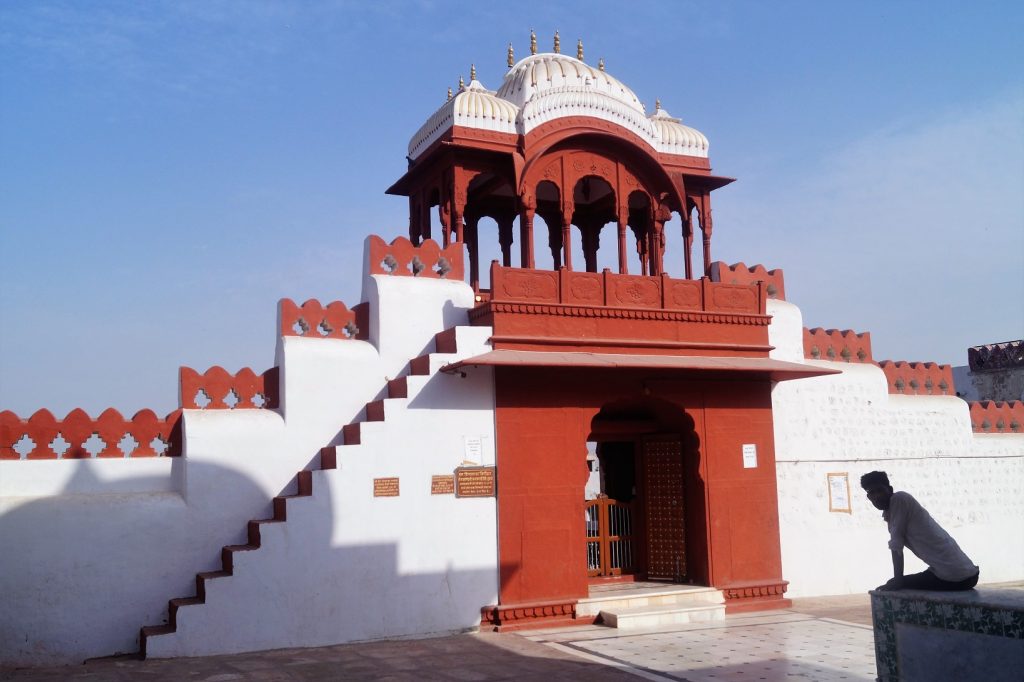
{"x": 543, "y": 421}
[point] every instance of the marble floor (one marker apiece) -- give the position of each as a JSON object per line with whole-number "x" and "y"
{"x": 777, "y": 646}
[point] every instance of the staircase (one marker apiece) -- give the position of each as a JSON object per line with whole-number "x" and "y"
{"x": 156, "y": 640}
{"x": 634, "y": 606}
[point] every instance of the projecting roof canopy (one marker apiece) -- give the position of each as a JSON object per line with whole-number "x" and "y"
{"x": 734, "y": 367}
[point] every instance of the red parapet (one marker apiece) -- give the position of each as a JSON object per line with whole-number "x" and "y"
{"x": 837, "y": 345}
{"x": 658, "y": 292}
{"x": 402, "y": 257}
{"x": 216, "y": 389}
{"x": 78, "y": 436}
{"x": 996, "y": 416}
{"x": 739, "y": 273}
{"x": 918, "y": 378}
{"x": 314, "y": 320}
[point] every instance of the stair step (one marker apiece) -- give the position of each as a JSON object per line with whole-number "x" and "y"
{"x": 660, "y": 616}
{"x": 329, "y": 458}
{"x": 398, "y": 388}
{"x": 646, "y": 597}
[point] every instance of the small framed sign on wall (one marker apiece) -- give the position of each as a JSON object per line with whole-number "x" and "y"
{"x": 839, "y": 493}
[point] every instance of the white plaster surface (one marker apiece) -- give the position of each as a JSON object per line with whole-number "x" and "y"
{"x": 972, "y": 484}
{"x": 92, "y": 550}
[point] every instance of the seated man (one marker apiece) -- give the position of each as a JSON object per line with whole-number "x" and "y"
{"x": 910, "y": 525}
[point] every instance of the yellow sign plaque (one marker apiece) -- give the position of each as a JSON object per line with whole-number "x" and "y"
{"x": 442, "y": 485}
{"x": 385, "y": 487}
{"x": 474, "y": 482}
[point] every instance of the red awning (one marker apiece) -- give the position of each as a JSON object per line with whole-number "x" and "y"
{"x": 776, "y": 370}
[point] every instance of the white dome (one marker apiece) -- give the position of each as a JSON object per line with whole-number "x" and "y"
{"x": 546, "y": 87}
{"x": 474, "y": 106}
{"x": 539, "y": 73}
{"x": 675, "y": 138}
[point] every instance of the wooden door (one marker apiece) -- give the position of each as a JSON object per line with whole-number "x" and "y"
{"x": 664, "y": 512}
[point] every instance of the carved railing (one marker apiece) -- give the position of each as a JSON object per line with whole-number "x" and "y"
{"x": 79, "y": 436}
{"x": 918, "y": 378}
{"x": 996, "y": 356}
{"x": 739, "y": 273}
{"x": 992, "y": 416}
{"x": 318, "y": 321}
{"x": 659, "y": 292}
{"x": 216, "y": 389}
{"x": 428, "y": 260}
{"x": 837, "y": 345}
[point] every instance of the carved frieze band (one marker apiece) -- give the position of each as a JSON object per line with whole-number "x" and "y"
{"x": 617, "y": 313}
{"x": 773, "y": 589}
{"x": 509, "y": 613}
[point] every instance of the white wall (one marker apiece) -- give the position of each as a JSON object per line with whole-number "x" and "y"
{"x": 973, "y": 484}
{"x": 92, "y": 550}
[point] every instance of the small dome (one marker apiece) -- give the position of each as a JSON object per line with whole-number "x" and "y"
{"x": 672, "y": 137}
{"x": 474, "y": 106}
{"x": 538, "y": 73}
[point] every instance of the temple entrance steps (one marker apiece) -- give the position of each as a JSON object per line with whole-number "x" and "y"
{"x": 632, "y": 606}
{"x": 276, "y": 578}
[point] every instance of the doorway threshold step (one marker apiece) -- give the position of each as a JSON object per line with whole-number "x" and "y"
{"x": 662, "y": 615}
{"x": 647, "y": 595}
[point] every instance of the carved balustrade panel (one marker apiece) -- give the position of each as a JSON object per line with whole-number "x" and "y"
{"x": 683, "y": 294}
{"x": 634, "y": 291}
{"x": 733, "y": 298}
{"x": 583, "y": 288}
{"x": 510, "y": 284}
{"x": 78, "y": 436}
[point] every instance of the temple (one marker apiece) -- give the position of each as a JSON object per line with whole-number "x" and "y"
{"x": 529, "y": 442}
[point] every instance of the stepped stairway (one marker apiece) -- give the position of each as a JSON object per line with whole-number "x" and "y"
{"x": 399, "y": 392}
{"x": 634, "y": 606}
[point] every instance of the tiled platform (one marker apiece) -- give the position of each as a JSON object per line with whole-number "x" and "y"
{"x": 782, "y": 645}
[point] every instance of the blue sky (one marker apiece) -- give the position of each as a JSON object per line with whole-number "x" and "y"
{"x": 169, "y": 170}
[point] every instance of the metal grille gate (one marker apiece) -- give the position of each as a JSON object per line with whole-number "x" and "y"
{"x": 610, "y": 546}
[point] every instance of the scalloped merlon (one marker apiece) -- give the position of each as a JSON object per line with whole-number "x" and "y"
{"x": 740, "y": 273}
{"x": 77, "y": 428}
{"x": 217, "y": 383}
{"x": 404, "y": 254}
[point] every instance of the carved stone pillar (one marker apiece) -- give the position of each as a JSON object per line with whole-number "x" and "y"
{"x": 706, "y": 226}
{"x": 687, "y": 243}
{"x": 443, "y": 213}
{"x": 621, "y": 225}
{"x": 567, "y": 234}
{"x": 505, "y": 238}
{"x": 528, "y": 209}
{"x": 424, "y": 209}
{"x": 472, "y": 247}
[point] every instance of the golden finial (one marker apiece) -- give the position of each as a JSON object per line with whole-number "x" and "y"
{"x": 657, "y": 105}
{"x": 449, "y": 93}
{"x": 462, "y": 83}
{"x": 533, "y": 42}
{"x": 558, "y": 43}
{"x": 600, "y": 64}
{"x": 511, "y": 56}
{"x": 472, "y": 72}
{"x": 579, "y": 49}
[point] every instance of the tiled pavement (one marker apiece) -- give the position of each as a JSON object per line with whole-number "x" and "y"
{"x": 819, "y": 639}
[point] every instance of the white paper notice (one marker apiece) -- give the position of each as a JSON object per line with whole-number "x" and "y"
{"x": 749, "y": 456}
{"x": 839, "y": 493}
{"x": 474, "y": 449}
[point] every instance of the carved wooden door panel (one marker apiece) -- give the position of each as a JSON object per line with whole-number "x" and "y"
{"x": 664, "y": 511}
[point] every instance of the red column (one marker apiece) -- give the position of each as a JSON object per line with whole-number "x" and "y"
{"x": 528, "y": 209}
{"x": 621, "y": 225}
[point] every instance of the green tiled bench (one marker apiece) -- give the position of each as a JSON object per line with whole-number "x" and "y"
{"x": 957, "y": 636}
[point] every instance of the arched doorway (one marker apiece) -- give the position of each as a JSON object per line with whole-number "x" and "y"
{"x": 646, "y": 518}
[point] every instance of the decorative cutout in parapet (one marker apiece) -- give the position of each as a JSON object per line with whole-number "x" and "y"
{"x": 79, "y": 436}
{"x": 994, "y": 416}
{"x": 918, "y": 378}
{"x": 837, "y": 345}
{"x": 739, "y": 273}
{"x": 316, "y": 321}
{"x": 216, "y": 389}
{"x": 401, "y": 257}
